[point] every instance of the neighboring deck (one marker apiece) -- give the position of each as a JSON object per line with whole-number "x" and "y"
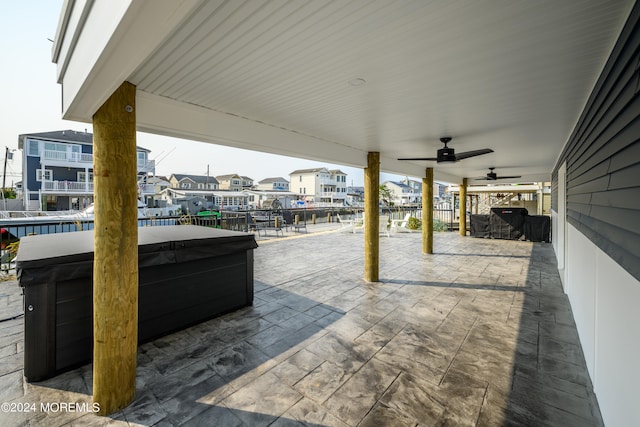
{"x": 479, "y": 333}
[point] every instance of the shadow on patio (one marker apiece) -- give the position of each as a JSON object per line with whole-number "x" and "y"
{"x": 485, "y": 337}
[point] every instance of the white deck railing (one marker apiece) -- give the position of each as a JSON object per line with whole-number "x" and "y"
{"x": 67, "y": 187}
{"x": 64, "y": 156}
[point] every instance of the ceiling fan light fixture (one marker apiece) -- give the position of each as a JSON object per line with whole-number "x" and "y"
{"x": 448, "y": 155}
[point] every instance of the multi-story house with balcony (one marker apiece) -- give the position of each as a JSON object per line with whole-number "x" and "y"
{"x": 405, "y": 193}
{"x": 408, "y": 192}
{"x": 57, "y": 170}
{"x": 320, "y": 186}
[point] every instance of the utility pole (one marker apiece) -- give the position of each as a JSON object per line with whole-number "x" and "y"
{"x": 4, "y": 177}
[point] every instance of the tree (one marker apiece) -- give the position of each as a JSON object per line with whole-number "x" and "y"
{"x": 9, "y": 193}
{"x": 386, "y": 195}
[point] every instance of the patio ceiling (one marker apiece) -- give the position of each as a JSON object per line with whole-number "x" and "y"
{"x": 282, "y": 76}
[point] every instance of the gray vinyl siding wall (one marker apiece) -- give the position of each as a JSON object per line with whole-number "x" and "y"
{"x": 603, "y": 157}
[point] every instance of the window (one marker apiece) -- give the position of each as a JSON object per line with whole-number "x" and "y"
{"x": 47, "y": 176}
{"x": 235, "y": 182}
{"x": 33, "y": 148}
{"x": 82, "y": 177}
{"x": 185, "y": 185}
{"x": 142, "y": 159}
{"x": 200, "y": 186}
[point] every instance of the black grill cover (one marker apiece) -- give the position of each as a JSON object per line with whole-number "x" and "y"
{"x": 537, "y": 228}
{"x": 508, "y": 223}
{"x": 480, "y": 226}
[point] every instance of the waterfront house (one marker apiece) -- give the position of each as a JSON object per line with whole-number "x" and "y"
{"x": 404, "y": 194}
{"x": 409, "y": 191}
{"x": 193, "y": 182}
{"x": 273, "y": 184}
{"x": 57, "y": 170}
{"x": 320, "y": 186}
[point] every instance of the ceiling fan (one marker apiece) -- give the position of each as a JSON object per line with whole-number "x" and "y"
{"x": 448, "y": 155}
{"x": 492, "y": 176}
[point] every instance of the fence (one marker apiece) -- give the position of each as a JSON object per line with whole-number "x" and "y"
{"x": 14, "y": 229}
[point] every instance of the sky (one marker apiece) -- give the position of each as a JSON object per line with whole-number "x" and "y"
{"x": 31, "y": 103}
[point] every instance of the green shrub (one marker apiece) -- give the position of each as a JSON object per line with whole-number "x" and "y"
{"x": 414, "y": 223}
{"x": 439, "y": 225}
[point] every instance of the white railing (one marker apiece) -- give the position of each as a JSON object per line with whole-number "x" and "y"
{"x": 67, "y": 187}
{"x": 325, "y": 205}
{"x": 64, "y": 156}
{"x": 326, "y": 181}
{"x": 334, "y": 194}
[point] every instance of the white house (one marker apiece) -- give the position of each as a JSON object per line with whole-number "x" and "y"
{"x": 273, "y": 184}
{"x": 320, "y": 186}
{"x": 405, "y": 194}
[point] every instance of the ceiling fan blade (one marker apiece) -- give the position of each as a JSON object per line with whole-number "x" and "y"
{"x": 509, "y": 177}
{"x": 467, "y": 154}
{"x": 432, "y": 159}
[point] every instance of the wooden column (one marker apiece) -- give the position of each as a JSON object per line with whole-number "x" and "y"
{"x": 427, "y": 212}
{"x": 115, "y": 269}
{"x": 463, "y": 207}
{"x": 371, "y": 217}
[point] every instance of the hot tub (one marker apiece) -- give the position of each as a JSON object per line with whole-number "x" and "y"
{"x": 187, "y": 274}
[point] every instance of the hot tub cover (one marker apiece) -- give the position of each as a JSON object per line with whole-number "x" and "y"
{"x": 52, "y": 257}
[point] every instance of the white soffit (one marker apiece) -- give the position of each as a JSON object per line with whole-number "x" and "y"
{"x": 275, "y": 76}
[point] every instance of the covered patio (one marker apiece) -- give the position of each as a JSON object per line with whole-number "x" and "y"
{"x": 479, "y": 333}
{"x": 539, "y": 90}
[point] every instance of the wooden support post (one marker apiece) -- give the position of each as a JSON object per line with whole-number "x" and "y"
{"x": 115, "y": 267}
{"x": 427, "y": 212}
{"x": 371, "y": 217}
{"x": 463, "y": 207}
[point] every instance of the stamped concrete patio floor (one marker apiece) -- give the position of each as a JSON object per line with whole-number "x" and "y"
{"x": 479, "y": 333}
